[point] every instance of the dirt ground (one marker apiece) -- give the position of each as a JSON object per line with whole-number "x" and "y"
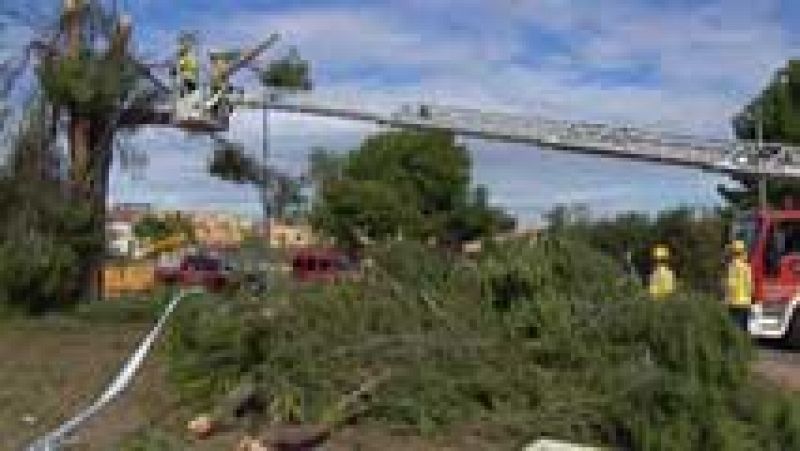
{"x": 781, "y": 367}
{"x": 51, "y": 368}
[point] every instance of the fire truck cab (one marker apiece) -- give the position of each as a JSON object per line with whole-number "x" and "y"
{"x": 773, "y": 241}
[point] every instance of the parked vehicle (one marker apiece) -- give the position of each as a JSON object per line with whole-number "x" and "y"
{"x": 195, "y": 270}
{"x": 323, "y": 265}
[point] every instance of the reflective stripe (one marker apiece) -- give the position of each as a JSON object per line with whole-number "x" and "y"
{"x": 188, "y": 67}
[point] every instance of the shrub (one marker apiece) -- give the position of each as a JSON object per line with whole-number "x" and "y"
{"x": 42, "y": 238}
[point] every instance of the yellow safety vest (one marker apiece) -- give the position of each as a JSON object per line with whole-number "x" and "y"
{"x": 739, "y": 283}
{"x": 188, "y": 67}
{"x": 662, "y": 282}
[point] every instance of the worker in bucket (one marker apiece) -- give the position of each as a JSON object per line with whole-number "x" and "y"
{"x": 188, "y": 68}
{"x": 662, "y": 280}
{"x": 739, "y": 284}
{"x": 219, "y": 83}
{"x": 220, "y": 64}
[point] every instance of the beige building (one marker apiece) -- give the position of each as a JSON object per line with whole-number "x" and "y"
{"x": 289, "y": 236}
{"x": 219, "y": 230}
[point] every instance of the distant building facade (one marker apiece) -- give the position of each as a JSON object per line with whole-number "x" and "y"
{"x": 120, "y": 223}
{"x": 217, "y": 230}
{"x": 285, "y": 235}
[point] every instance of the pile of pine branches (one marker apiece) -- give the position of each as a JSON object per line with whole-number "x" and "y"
{"x": 528, "y": 340}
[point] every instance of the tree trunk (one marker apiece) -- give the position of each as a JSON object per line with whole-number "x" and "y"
{"x": 90, "y": 142}
{"x": 90, "y": 165}
{"x": 88, "y": 187}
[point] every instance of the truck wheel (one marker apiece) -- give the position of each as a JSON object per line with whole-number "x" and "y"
{"x": 792, "y": 337}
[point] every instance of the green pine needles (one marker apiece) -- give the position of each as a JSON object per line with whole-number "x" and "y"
{"x": 528, "y": 340}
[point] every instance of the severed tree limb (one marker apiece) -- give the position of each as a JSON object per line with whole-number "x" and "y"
{"x": 305, "y": 437}
{"x": 336, "y": 415}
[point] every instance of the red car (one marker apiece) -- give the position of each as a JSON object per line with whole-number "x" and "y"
{"x": 195, "y": 270}
{"x": 322, "y": 265}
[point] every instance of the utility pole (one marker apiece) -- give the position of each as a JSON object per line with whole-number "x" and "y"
{"x": 266, "y": 204}
{"x": 762, "y": 179}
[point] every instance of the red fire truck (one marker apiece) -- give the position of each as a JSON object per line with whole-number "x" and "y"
{"x": 773, "y": 241}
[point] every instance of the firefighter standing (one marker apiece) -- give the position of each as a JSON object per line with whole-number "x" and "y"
{"x": 739, "y": 285}
{"x": 662, "y": 280}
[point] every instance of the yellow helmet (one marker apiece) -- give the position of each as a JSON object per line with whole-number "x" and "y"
{"x": 738, "y": 247}
{"x": 660, "y": 252}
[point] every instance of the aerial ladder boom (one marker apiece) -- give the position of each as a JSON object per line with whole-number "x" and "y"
{"x": 209, "y": 113}
{"x": 724, "y": 156}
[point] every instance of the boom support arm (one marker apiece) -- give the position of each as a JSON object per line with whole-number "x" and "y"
{"x": 251, "y": 55}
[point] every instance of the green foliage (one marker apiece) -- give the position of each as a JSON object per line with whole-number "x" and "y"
{"x": 368, "y": 208}
{"x": 289, "y": 72}
{"x": 546, "y": 339}
{"x": 778, "y": 110}
{"x": 90, "y": 85}
{"x": 478, "y": 219}
{"x": 229, "y": 162}
{"x": 745, "y": 197}
{"x": 696, "y": 240}
{"x": 42, "y": 238}
{"x": 44, "y": 234}
{"x": 155, "y": 228}
{"x": 778, "y": 107}
{"x": 409, "y": 184}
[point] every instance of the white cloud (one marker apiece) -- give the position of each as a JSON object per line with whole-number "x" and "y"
{"x": 686, "y": 68}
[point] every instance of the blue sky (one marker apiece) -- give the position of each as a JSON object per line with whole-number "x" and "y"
{"x": 683, "y": 65}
